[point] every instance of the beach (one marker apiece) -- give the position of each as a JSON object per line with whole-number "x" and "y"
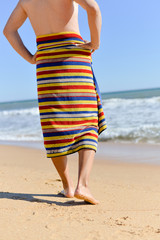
{"x": 66, "y": 96}
{"x": 31, "y": 208}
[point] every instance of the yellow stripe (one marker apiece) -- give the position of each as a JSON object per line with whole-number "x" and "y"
{"x": 68, "y": 119}
{"x": 102, "y": 117}
{"x": 56, "y": 34}
{"x": 65, "y": 126}
{"x": 71, "y": 151}
{"x": 102, "y": 128}
{"x": 59, "y": 43}
{"x": 67, "y": 109}
{"x": 64, "y": 49}
{"x": 100, "y": 110}
{"x": 49, "y": 45}
{"x": 66, "y": 144}
{"x": 65, "y": 102}
{"x": 65, "y": 84}
{"x": 56, "y": 44}
{"x": 63, "y": 67}
{"x": 64, "y": 74}
{"x": 62, "y": 55}
{"x": 67, "y": 90}
{"x": 68, "y": 136}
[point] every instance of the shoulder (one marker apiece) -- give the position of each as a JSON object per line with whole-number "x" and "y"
{"x": 23, "y": 3}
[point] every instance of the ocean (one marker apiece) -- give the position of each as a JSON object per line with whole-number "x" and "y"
{"x": 131, "y": 116}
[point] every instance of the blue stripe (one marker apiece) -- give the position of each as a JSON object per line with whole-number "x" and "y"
{"x": 82, "y": 140}
{"x": 96, "y": 85}
{"x": 58, "y": 40}
{"x": 67, "y": 46}
{"x": 61, "y": 77}
{"x": 69, "y": 132}
{"x": 77, "y": 112}
{"x": 99, "y": 107}
{"x": 62, "y": 64}
{"x": 51, "y": 99}
{"x": 59, "y": 98}
{"x": 103, "y": 120}
{"x": 39, "y": 84}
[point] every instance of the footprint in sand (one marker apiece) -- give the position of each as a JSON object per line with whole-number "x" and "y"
{"x": 57, "y": 180}
{"x": 52, "y": 181}
{"x": 125, "y": 218}
{"x": 120, "y": 220}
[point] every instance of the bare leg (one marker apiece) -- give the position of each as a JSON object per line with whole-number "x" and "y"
{"x": 61, "y": 165}
{"x": 86, "y": 157}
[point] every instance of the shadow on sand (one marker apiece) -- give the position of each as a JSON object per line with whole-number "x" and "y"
{"x": 31, "y": 198}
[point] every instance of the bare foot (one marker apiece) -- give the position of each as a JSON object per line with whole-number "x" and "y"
{"x": 84, "y": 194}
{"x": 68, "y": 189}
{"x": 67, "y": 193}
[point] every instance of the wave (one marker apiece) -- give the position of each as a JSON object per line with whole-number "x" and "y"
{"x": 141, "y": 134}
{"x": 116, "y": 102}
{"x": 19, "y": 138}
{"x": 132, "y": 120}
{"x": 29, "y": 111}
{"x": 20, "y": 125}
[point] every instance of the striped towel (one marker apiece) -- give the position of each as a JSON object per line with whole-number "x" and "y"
{"x": 69, "y": 100}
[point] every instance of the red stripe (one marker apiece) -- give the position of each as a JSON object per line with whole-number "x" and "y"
{"x": 64, "y": 70}
{"x": 68, "y": 140}
{"x": 63, "y": 52}
{"x": 53, "y": 130}
{"x": 64, "y": 87}
{"x": 78, "y": 105}
{"x": 100, "y": 114}
{"x": 68, "y": 122}
{"x": 40, "y": 95}
{"x": 56, "y": 60}
{"x": 65, "y": 35}
{"x": 54, "y": 45}
{"x": 63, "y": 96}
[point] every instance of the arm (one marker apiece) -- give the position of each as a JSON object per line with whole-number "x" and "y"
{"x": 94, "y": 21}
{"x": 10, "y": 31}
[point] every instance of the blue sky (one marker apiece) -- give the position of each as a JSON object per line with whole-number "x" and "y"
{"x": 128, "y": 58}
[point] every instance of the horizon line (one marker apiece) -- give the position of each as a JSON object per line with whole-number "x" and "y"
{"x": 110, "y": 92}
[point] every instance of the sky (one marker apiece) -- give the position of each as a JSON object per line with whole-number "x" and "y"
{"x": 128, "y": 57}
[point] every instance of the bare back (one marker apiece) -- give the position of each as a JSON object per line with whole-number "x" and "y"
{"x": 52, "y": 16}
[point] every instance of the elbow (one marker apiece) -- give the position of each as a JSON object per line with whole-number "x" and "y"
{"x": 5, "y": 31}
{"x": 94, "y": 9}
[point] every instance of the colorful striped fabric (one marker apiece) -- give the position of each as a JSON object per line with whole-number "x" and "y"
{"x": 70, "y": 106}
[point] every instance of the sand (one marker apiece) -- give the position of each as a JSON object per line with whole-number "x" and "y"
{"x": 30, "y": 207}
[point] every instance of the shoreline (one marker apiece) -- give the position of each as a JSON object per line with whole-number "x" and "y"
{"x": 117, "y": 152}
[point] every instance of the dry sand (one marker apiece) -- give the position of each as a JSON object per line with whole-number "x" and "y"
{"x": 31, "y": 209}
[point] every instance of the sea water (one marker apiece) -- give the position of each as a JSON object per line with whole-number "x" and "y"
{"x": 131, "y": 116}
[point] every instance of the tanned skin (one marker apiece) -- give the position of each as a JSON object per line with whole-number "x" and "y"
{"x": 53, "y": 16}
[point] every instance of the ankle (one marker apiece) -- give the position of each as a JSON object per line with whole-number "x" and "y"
{"x": 82, "y": 184}
{"x": 67, "y": 184}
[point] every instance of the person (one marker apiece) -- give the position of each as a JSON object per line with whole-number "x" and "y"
{"x": 70, "y": 106}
